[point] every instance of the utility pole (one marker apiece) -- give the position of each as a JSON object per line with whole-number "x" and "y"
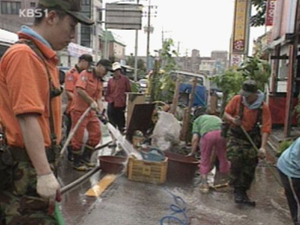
{"x": 293, "y": 64}
{"x": 136, "y": 50}
{"x": 162, "y": 37}
{"x": 148, "y": 35}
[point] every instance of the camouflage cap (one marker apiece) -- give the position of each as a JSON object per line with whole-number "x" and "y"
{"x": 72, "y": 7}
{"x": 106, "y": 63}
{"x": 249, "y": 87}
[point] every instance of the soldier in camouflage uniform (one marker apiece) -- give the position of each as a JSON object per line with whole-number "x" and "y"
{"x": 246, "y": 110}
{"x": 30, "y": 112}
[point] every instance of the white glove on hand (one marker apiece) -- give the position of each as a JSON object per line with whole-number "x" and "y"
{"x": 262, "y": 153}
{"x": 94, "y": 105}
{"x": 47, "y": 185}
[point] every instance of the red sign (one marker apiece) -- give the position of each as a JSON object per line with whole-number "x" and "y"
{"x": 270, "y": 11}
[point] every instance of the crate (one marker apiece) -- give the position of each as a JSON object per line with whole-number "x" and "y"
{"x": 146, "y": 171}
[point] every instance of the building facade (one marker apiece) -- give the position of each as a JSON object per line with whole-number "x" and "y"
{"x": 88, "y": 39}
{"x": 282, "y": 50}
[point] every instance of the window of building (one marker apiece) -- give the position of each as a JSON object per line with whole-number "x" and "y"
{"x": 8, "y": 7}
{"x": 100, "y": 15}
{"x": 32, "y": 4}
{"x": 85, "y": 2}
{"x": 86, "y": 35}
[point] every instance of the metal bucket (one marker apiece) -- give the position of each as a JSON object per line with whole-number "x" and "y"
{"x": 181, "y": 168}
{"x": 112, "y": 164}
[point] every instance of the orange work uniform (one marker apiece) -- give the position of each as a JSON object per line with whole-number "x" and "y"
{"x": 250, "y": 116}
{"x": 23, "y": 89}
{"x": 93, "y": 86}
{"x": 70, "y": 82}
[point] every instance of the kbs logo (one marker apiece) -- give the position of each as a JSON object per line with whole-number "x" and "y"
{"x": 33, "y": 13}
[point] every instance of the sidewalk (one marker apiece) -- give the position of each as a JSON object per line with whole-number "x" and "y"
{"x": 277, "y": 136}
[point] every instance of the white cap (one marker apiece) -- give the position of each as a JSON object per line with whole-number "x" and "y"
{"x": 116, "y": 66}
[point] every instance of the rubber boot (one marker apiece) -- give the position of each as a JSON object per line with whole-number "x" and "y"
{"x": 204, "y": 187}
{"x": 70, "y": 154}
{"x": 246, "y": 199}
{"x": 86, "y": 156}
{"x": 77, "y": 164}
{"x": 238, "y": 196}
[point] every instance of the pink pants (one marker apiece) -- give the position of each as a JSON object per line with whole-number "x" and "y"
{"x": 209, "y": 142}
{"x": 91, "y": 123}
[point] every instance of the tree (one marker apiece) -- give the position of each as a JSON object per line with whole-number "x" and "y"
{"x": 259, "y": 18}
{"x": 162, "y": 85}
{"x": 141, "y": 68}
{"x": 230, "y": 84}
{"x": 256, "y": 69}
{"x": 231, "y": 81}
{"x": 130, "y": 60}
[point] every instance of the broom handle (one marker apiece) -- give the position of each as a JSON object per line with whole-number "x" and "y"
{"x": 268, "y": 166}
{"x": 249, "y": 138}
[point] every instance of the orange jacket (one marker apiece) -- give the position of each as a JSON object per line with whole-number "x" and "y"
{"x": 92, "y": 85}
{"x": 70, "y": 82}
{"x": 249, "y": 116}
{"x": 24, "y": 89}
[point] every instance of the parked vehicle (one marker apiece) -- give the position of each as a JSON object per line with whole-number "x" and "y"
{"x": 143, "y": 85}
{"x": 62, "y": 73}
{"x": 202, "y": 91}
{"x": 6, "y": 39}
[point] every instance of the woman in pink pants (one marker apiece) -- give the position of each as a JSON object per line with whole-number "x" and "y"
{"x": 207, "y": 128}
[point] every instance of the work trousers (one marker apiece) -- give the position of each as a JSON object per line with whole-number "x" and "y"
{"x": 116, "y": 116}
{"x": 292, "y": 193}
{"x": 20, "y": 204}
{"x": 209, "y": 142}
{"x": 92, "y": 124}
{"x": 243, "y": 158}
{"x": 68, "y": 123}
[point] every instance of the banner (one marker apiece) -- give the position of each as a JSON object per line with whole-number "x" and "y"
{"x": 77, "y": 50}
{"x": 270, "y": 11}
{"x": 240, "y": 27}
{"x": 236, "y": 59}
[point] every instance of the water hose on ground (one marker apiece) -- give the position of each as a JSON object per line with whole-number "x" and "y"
{"x": 79, "y": 180}
{"x": 255, "y": 147}
{"x": 73, "y": 132}
{"x": 178, "y": 208}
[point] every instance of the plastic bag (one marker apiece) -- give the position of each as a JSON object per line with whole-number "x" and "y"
{"x": 166, "y": 131}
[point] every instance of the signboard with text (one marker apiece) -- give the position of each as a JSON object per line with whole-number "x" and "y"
{"x": 240, "y": 27}
{"x": 236, "y": 59}
{"x": 123, "y": 16}
{"x": 270, "y": 11}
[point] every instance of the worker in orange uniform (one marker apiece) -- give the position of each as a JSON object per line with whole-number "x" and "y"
{"x": 30, "y": 110}
{"x": 84, "y": 62}
{"x": 88, "y": 93}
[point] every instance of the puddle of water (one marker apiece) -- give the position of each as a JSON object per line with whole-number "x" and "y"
{"x": 128, "y": 148}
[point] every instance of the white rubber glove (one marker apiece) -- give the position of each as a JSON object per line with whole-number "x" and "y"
{"x": 47, "y": 185}
{"x": 262, "y": 153}
{"x": 94, "y": 105}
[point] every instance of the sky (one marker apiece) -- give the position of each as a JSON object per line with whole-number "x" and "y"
{"x": 205, "y": 25}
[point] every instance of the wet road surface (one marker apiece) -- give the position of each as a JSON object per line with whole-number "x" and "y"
{"x": 134, "y": 203}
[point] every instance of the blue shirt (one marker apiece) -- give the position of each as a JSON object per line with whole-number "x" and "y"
{"x": 32, "y": 33}
{"x": 289, "y": 162}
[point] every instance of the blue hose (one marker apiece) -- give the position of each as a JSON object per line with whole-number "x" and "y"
{"x": 178, "y": 208}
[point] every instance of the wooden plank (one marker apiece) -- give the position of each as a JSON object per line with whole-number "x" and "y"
{"x": 102, "y": 185}
{"x": 175, "y": 96}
